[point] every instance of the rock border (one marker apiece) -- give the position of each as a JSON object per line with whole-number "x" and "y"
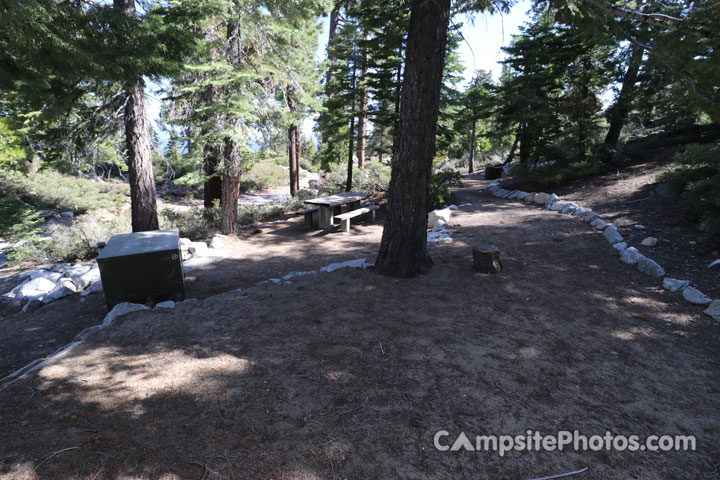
{"x": 628, "y": 254}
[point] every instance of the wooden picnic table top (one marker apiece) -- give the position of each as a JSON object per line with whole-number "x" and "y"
{"x": 338, "y": 199}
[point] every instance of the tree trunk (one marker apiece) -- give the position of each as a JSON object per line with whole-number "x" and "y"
{"x": 231, "y": 154}
{"x": 403, "y": 250}
{"x": 137, "y": 142}
{"x": 230, "y": 188}
{"x": 362, "y": 121}
{"x": 292, "y": 159}
{"x": 334, "y": 28}
{"x": 297, "y": 158}
{"x": 619, "y": 111}
{"x": 471, "y": 166}
{"x": 212, "y": 156}
{"x": 511, "y": 155}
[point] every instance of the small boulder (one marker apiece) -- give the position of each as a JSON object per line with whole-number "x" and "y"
{"x": 122, "y": 309}
{"x": 32, "y": 306}
{"x": 620, "y": 246}
{"x": 439, "y": 226}
{"x": 218, "y": 241}
{"x": 522, "y": 196}
{"x": 693, "y": 295}
{"x": 714, "y": 264}
{"x": 569, "y": 209}
{"x": 639, "y": 227}
{"x": 590, "y": 218}
{"x": 674, "y": 284}
{"x": 541, "y": 198}
{"x": 612, "y": 235}
{"x": 714, "y": 310}
{"x": 441, "y": 214}
{"x": 599, "y": 224}
{"x": 63, "y": 288}
{"x": 631, "y": 255}
{"x": 198, "y": 248}
{"x": 67, "y": 214}
{"x": 551, "y": 199}
{"x": 558, "y": 206}
{"x": 582, "y": 211}
{"x": 650, "y": 267}
{"x": 165, "y": 305}
{"x": 185, "y": 242}
{"x": 82, "y": 280}
{"x": 649, "y": 242}
{"x": 530, "y": 198}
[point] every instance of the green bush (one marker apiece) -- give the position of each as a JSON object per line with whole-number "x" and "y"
{"x": 195, "y": 223}
{"x": 440, "y": 187}
{"x": 697, "y": 177}
{"x": 18, "y": 220}
{"x": 72, "y": 243}
{"x": 375, "y": 177}
{"x": 50, "y": 189}
{"x": 545, "y": 177}
{"x": 265, "y": 174}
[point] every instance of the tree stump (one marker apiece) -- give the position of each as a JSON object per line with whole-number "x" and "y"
{"x": 486, "y": 258}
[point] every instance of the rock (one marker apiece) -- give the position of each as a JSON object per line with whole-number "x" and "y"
{"x": 298, "y": 274}
{"x": 442, "y": 214}
{"x": 186, "y": 255}
{"x": 63, "y": 288}
{"x": 591, "y": 217}
{"x": 530, "y": 198}
{"x": 582, "y": 211}
{"x": 185, "y": 242}
{"x": 639, "y": 227}
{"x": 197, "y": 248}
{"x": 359, "y": 263}
{"x": 514, "y": 194}
{"x": 714, "y": 310}
{"x": 666, "y": 191}
{"x": 32, "y": 289}
{"x": 122, "y": 309}
{"x": 620, "y": 246}
{"x": 67, "y": 214}
{"x": 3, "y": 259}
{"x": 650, "y": 267}
{"x": 714, "y": 263}
{"x": 541, "y": 198}
{"x": 557, "y": 205}
{"x": 208, "y": 258}
{"x": 32, "y": 306}
{"x": 649, "y": 242}
{"x": 61, "y": 267}
{"x": 82, "y": 280}
{"x": 96, "y": 286}
{"x": 49, "y": 275}
{"x": 674, "y": 284}
{"x": 631, "y": 255}
{"x": 552, "y": 198}
{"x": 599, "y": 224}
{"x": 612, "y": 235}
{"x": 435, "y": 237}
{"x": 486, "y": 258}
{"x": 693, "y": 295}
{"x": 439, "y": 226}
{"x": 454, "y": 207}
{"x": 522, "y": 196}
{"x": 164, "y": 305}
{"x": 569, "y": 209}
{"x": 218, "y": 241}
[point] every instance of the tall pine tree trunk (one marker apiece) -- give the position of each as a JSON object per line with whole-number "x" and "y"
{"x": 471, "y": 166}
{"x": 403, "y": 250}
{"x": 334, "y": 29}
{"x": 137, "y": 144}
{"x": 230, "y": 187}
{"x": 292, "y": 159}
{"x": 231, "y": 153}
{"x": 362, "y": 121}
{"x": 297, "y": 158}
{"x": 619, "y": 111}
{"x": 212, "y": 156}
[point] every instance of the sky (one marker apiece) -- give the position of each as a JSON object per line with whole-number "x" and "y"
{"x": 484, "y": 35}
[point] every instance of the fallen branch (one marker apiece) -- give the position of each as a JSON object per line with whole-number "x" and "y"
{"x": 354, "y": 409}
{"x": 381, "y": 348}
{"x": 640, "y": 200}
{"x": 54, "y": 454}
{"x": 561, "y": 475}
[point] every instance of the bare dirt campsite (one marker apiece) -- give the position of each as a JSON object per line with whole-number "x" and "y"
{"x": 350, "y": 374}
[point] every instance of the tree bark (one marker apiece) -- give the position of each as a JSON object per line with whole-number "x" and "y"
{"x": 334, "y": 28}
{"x": 297, "y": 158}
{"x": 137, "y": 141}
{"x": 403, "y": 249}
{"x": 511, "y": 155}
{"x": 362, "y": 121}
{"x": 292, "y": 159}
{"x": 212, "y": 156}
{"x": 471, "y": 166}
{"x": 621, "y": 108}
{"x": 231, "y": 154}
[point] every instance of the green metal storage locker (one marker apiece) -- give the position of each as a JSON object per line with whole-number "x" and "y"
{"x": 143, "y": 266}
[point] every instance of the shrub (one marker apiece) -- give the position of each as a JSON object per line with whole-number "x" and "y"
{"x": 51, "y": 189}
{"x": 546, "y": 176}
{"x": 440, "y": 187}
{"x": 195, "y": 223}
{"x": 375, "y": 177}
{"x": 18, "y": 220}
{"x": 697, "y": 177}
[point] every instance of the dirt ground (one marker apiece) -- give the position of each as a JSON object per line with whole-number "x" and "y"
{"x": 350, "y": 374}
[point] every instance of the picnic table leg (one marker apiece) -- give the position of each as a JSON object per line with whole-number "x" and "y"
{"x": 326, "y": 217}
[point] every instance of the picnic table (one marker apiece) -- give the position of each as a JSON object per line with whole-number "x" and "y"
{"x": 331, "y": 206}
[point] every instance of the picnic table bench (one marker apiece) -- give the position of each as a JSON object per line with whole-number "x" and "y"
{"x": 332, "y": 205}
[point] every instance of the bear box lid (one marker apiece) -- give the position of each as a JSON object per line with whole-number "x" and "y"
{"x": 126, "y": 244}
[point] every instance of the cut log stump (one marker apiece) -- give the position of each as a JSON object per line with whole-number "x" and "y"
{"x": 486, "y": 258}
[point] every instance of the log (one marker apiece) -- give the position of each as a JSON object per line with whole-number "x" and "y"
{"x": 486, "y": 258}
